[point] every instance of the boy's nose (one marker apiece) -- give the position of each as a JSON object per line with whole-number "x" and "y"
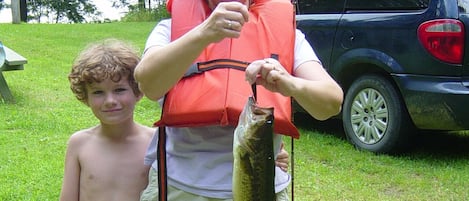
{"x": 110, "y": 99}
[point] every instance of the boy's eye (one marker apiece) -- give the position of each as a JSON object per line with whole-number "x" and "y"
{"x": 97, "y": 92}
{"x": 120, "y": 89}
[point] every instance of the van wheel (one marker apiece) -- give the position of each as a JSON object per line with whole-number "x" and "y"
{"x": 374, "y": 117}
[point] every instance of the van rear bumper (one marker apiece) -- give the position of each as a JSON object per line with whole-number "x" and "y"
{"x": 435, "y": 102}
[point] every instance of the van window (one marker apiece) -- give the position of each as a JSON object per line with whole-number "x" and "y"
{"x": 319, "y": 6}
{"x": 387, "y": 4}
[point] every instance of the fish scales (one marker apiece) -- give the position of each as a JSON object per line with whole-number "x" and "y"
{"x": 253, "y": 152}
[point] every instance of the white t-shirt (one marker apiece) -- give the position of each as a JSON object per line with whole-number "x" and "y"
{"x": 200, "y": 160}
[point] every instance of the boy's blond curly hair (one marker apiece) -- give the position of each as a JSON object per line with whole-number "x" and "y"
{"x": 109, "y": 59}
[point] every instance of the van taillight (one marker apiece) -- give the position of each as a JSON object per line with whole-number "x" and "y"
{"x": 444, "y": 39}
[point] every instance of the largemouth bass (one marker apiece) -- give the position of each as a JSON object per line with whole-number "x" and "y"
{"x": 253, "y": 151}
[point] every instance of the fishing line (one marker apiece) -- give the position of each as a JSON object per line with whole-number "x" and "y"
{"x": 292, "y": 170}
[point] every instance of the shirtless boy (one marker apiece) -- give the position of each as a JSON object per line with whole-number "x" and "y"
{"x": 105, "y": 162}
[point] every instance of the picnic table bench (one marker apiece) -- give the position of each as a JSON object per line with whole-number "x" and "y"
{"x": 9, "y": 61}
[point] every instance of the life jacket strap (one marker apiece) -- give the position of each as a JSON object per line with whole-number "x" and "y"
{"x": 200, "y": 67}
{"x": 162, "y": 173}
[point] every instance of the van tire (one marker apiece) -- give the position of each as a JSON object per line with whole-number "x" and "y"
{"x": 374, "y": 116}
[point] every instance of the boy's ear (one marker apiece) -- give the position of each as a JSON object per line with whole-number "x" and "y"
{"x": 140, "y": 96}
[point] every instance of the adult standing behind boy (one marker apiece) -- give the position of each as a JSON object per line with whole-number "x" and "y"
{"x": 219, "y": 39}
{"x": 105, "y": 162}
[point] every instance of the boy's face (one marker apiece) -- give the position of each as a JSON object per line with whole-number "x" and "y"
{"x": 112, "y": 102}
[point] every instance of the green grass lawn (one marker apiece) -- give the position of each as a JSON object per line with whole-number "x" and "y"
{"x": 34, "y": 131}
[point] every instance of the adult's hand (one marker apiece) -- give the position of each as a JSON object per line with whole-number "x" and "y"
{"x": 225, "y": 21}
{"x": 312, "y": 87}
{"x": 270, "y": 74}
{"x": 283, "y": 159}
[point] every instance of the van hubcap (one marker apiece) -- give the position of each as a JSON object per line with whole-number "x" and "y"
{"x": 369, "y": 116}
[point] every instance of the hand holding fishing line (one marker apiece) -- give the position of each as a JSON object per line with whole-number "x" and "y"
{"x": 270, "y": 74}
{"x": 226, "y": 21}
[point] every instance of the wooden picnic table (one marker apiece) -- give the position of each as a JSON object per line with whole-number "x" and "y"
{"x": 9, "y": 61}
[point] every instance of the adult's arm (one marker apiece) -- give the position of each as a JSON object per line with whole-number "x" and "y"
{"x": 162, "y": 66}
{"x": 315, "y": 90}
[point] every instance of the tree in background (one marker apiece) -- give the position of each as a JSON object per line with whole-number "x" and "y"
{"x": 141, "y": 4}
{"x": 69, "y": 11}
{"x": 2, "y": 4}
{"x": 23, "y": 11}
{"x": 143, "y": 12}
{"x": 120, "y": 3}
{"x": 79, "y": 11}
{"x": 22, "y": 8}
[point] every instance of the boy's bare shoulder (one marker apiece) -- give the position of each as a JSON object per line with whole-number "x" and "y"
{"x": 148, "y": 131}
{"x": 81, "y": 136}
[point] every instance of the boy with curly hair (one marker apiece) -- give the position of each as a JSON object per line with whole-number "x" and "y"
{"x": 105, "y": 162}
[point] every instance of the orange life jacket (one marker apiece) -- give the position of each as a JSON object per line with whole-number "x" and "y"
{"x": 217, "y": 92}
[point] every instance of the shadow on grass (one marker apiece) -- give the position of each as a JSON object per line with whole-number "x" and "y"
{"x": 444, "y": 145}
{"x": 331, "y": 126}
{"x": 434, "y": 144}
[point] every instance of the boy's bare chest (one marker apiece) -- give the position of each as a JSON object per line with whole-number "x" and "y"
{"x": 112, "y": 164}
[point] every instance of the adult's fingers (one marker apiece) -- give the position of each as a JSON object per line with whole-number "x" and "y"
{"x": 253, "y": 70}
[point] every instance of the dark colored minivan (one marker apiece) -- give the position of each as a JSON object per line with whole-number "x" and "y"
{"x": 403, "y": 65}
